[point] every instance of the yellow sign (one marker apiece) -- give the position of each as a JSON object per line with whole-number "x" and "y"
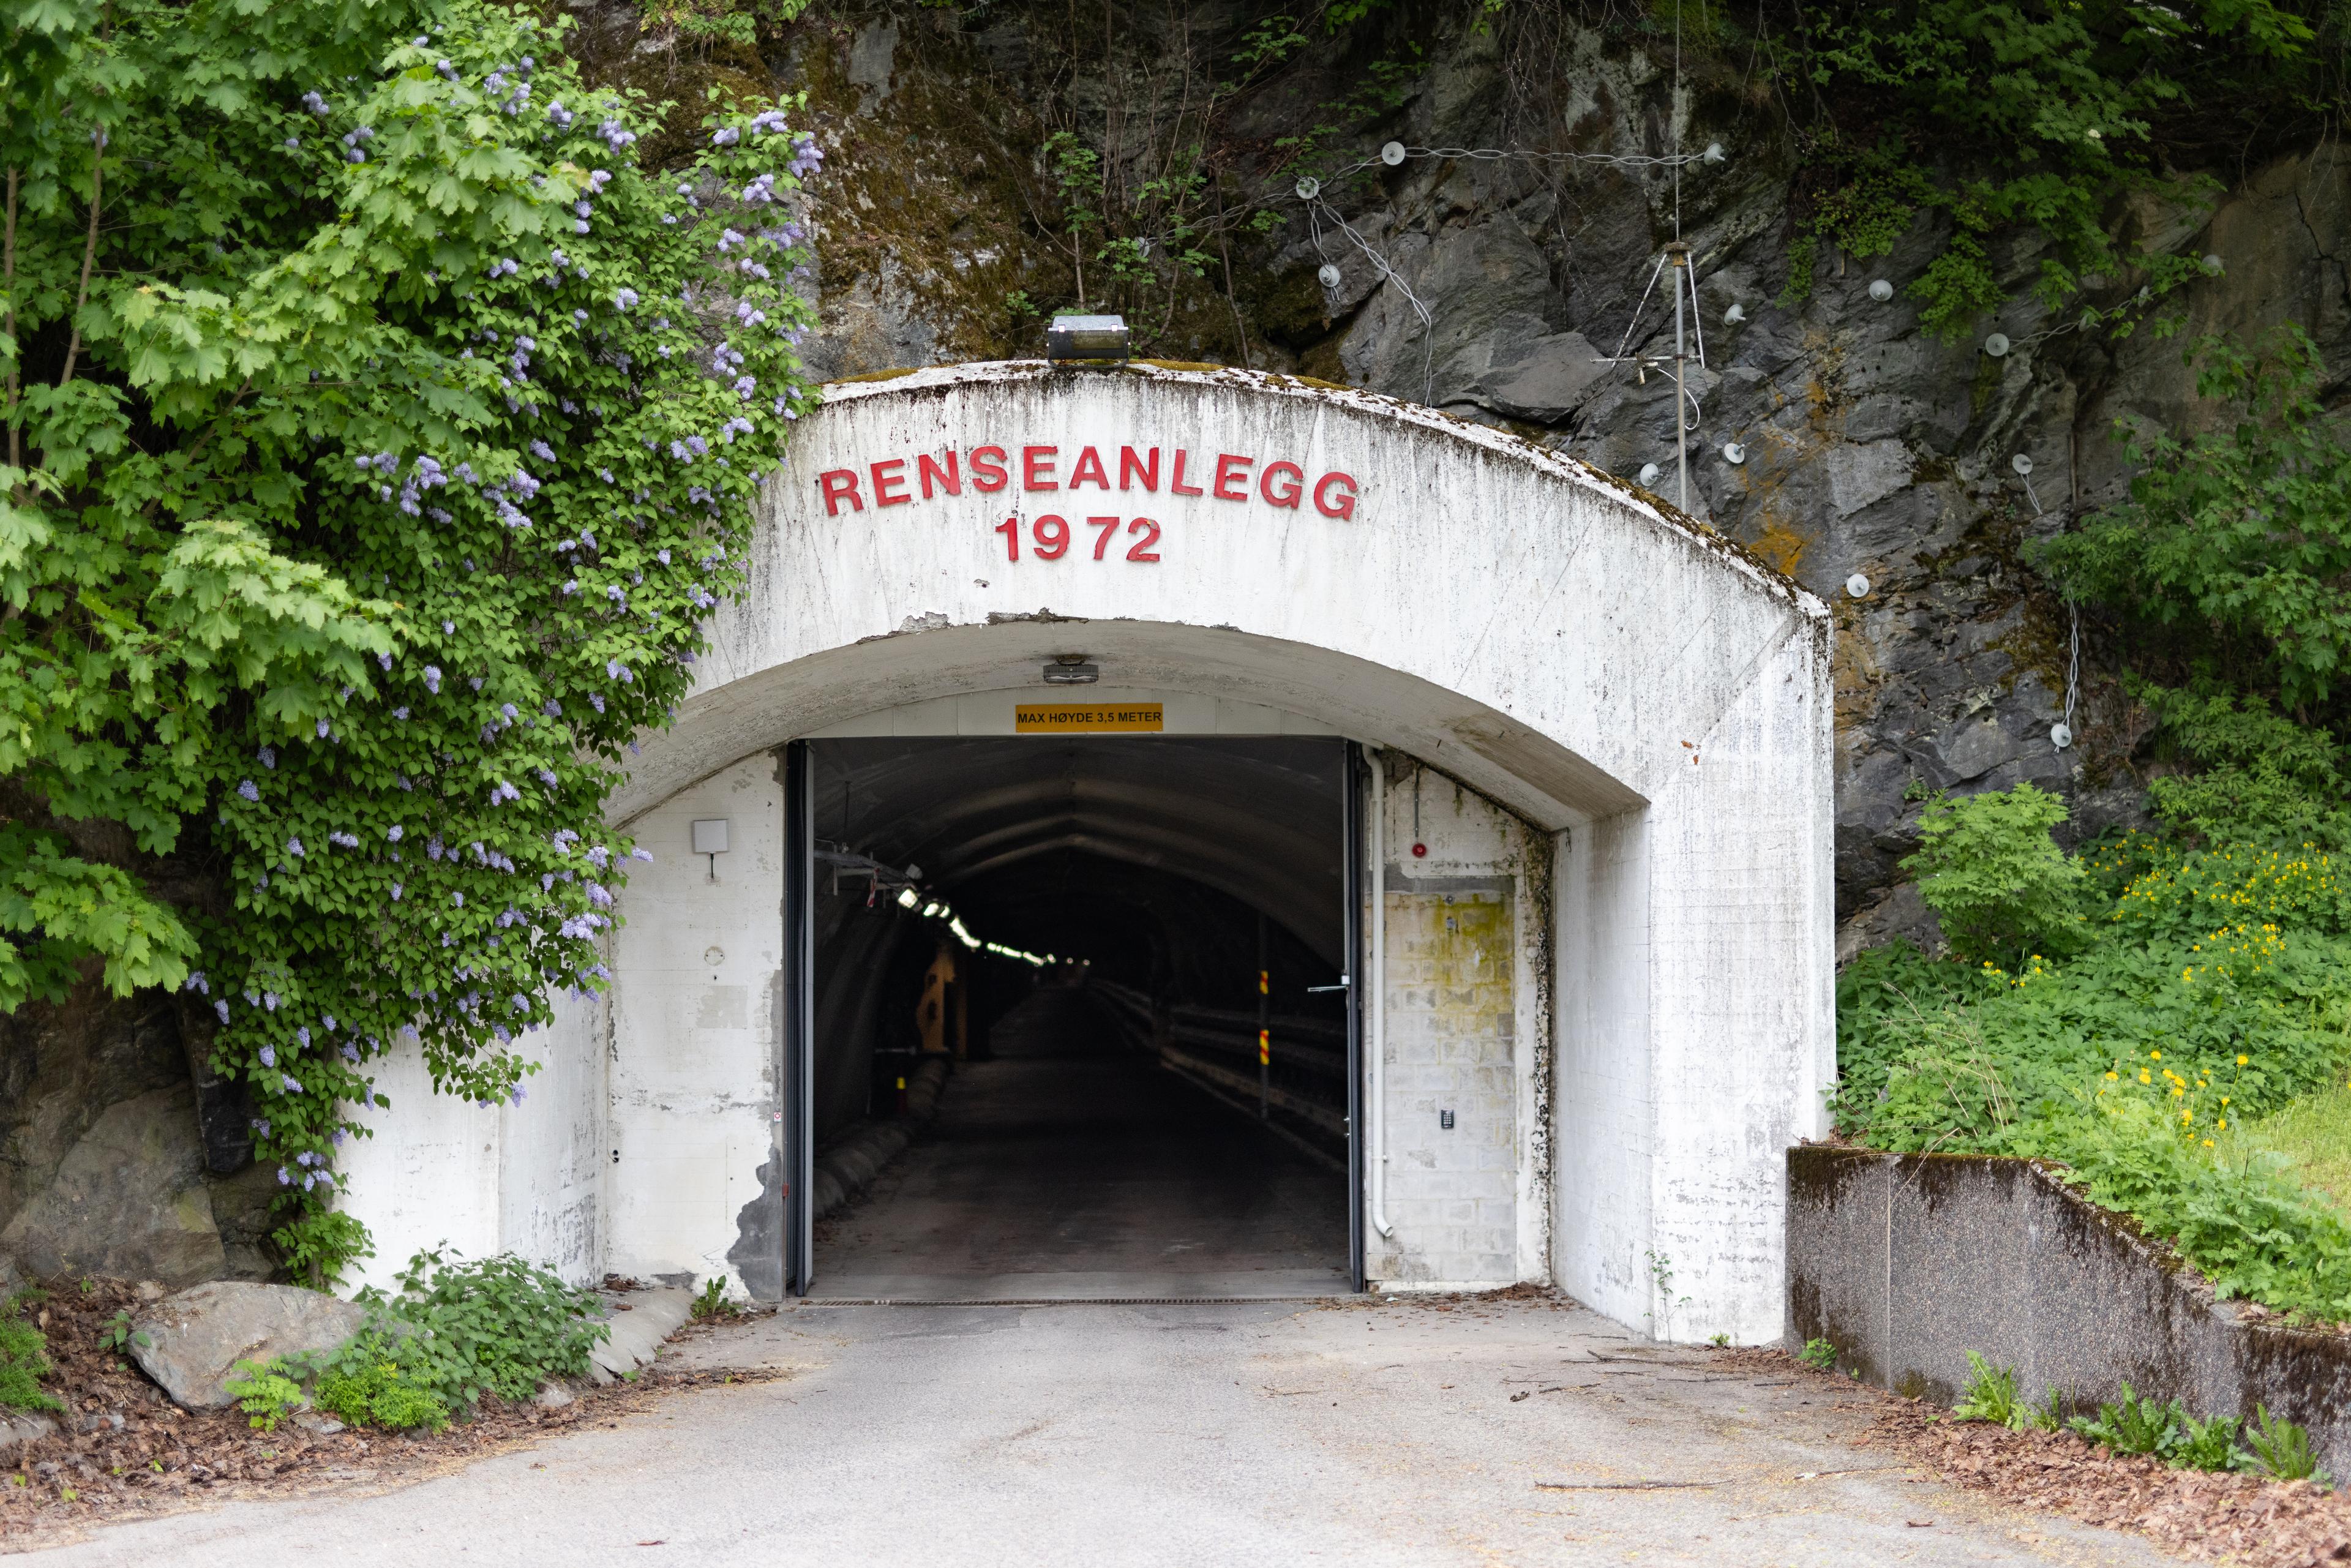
{"x": 1087, "y": 718}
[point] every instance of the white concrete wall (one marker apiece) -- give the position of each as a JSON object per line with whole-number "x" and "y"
{"x": 520, "y": 1177}
{"x": 1465, "y": 1026}
{"x": 1603, "y": 1148}
{"x": 426, "y": 1175}
{"x": 695, "y": 1049}
{"x": 552, "y": 1153}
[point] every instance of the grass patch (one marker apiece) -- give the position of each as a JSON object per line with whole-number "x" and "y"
{"x": 2308, "y": 1139}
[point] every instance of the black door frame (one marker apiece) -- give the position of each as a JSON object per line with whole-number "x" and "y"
{"x": 797, "y": 1070}
{"x": 1357, "y": 983}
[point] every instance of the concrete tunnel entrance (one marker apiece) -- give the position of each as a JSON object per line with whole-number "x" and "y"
{"x": 1070, "y": 932}
{"x": 1592, "y": 750}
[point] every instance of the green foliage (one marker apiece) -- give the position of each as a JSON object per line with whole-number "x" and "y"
{"x": 2003, "y": 889}
{"x": 2216, "y": 987}
{"x": 2049, "y": 1415}
{"x": 367, "y": 1386}
{"x": 1273, "y": 40}
{"x": 2208, "y": 1444}
{"x": 2260, "y": 777}
{"x": 379, "y": 433}
{"x": 1819, "y": 1354}
{"x": 2134, "y": 1424}
{"x": 119, "y": 1336}
{"x": 2054, "y": 105}
{"x": 24, "y": 1362}
{"x": 2238, "y": 537}
{"x": 2282, "y": 1449}
{"x": 711, "y": 1302}
{"x": 458, "y": 1330}
{"x": 2137, "y": 1425}
{"x": 264, "y": 1391}
{"x": 1990, "y": 1396}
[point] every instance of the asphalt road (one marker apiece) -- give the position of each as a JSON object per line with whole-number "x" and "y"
{"x": 1359, "y": 1433}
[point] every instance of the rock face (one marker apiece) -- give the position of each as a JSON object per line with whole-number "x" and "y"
{"x": 197, "y": 1337}
{"x": 1494, "y": 288}
{"x": 128, "y": 1200}
{"x": 113, "y": 1158}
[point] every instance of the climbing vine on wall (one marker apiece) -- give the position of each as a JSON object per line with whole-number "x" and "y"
{"x": 379, "y": 432}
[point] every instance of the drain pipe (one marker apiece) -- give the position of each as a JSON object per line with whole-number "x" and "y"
{"x": 1376, "y": 981}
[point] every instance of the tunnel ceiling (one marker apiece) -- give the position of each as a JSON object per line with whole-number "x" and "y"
{"x": 1004, "y": 819}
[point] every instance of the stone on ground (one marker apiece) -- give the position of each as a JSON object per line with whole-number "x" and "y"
{"x": 196, "y": 1339}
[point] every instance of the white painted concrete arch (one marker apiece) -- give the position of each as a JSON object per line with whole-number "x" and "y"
{"x": 1650, "y": 707}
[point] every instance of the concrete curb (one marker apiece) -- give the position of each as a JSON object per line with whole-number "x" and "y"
{"x": 847, "y": 1166}
{"x": 1908, "y": 1262}
{"x": 637, "y": 1333}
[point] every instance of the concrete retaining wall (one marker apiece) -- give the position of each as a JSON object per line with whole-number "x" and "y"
{"x": 1906, "y": 1263}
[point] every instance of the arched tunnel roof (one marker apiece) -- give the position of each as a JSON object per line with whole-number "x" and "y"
{"x": 1256, "y": 818}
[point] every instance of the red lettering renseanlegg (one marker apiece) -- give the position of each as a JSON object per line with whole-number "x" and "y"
{"x": 1031, "y": 468}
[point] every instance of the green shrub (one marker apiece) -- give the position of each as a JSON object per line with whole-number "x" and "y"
{"x": 2282, "y": 1449}
{"x": 24, "y": 1362}
{"x": 2260, "y": 779}
{"x": 2215, "y": 986}
{"x": 1990, "y": 1394}
{"x": 710, "y": 1302}
{"x": 264, "y": 1391}
{"x": 366, "y": 1388}
{"x": 458, "y": 1330}
{"x": 2134, "y": 1424}
{"x": 2208, "y": 1444}
{"x": 2004, "y": 891}
{"x": 2235, "y": 543}
{"x": 1820, "y": 1354}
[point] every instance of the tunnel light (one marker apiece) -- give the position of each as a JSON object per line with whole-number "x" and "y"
{"x": 908, "y": 898}
{"x": 961, "y": 935}
{"x": 929, "y": 910}
{"x": 1086, "y": 340}
{"x": 1071, "y": 670}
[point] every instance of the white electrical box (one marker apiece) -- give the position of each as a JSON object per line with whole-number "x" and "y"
{"x": 710, "y": 836}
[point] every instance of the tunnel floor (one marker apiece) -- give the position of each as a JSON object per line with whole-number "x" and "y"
{"x": 1074, "y": 1167}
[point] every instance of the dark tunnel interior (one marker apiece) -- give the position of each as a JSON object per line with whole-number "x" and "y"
{"x": 1104, "y": 1111}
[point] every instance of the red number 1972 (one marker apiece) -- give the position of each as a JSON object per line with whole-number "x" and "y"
{"x": 1049, "y": 537}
